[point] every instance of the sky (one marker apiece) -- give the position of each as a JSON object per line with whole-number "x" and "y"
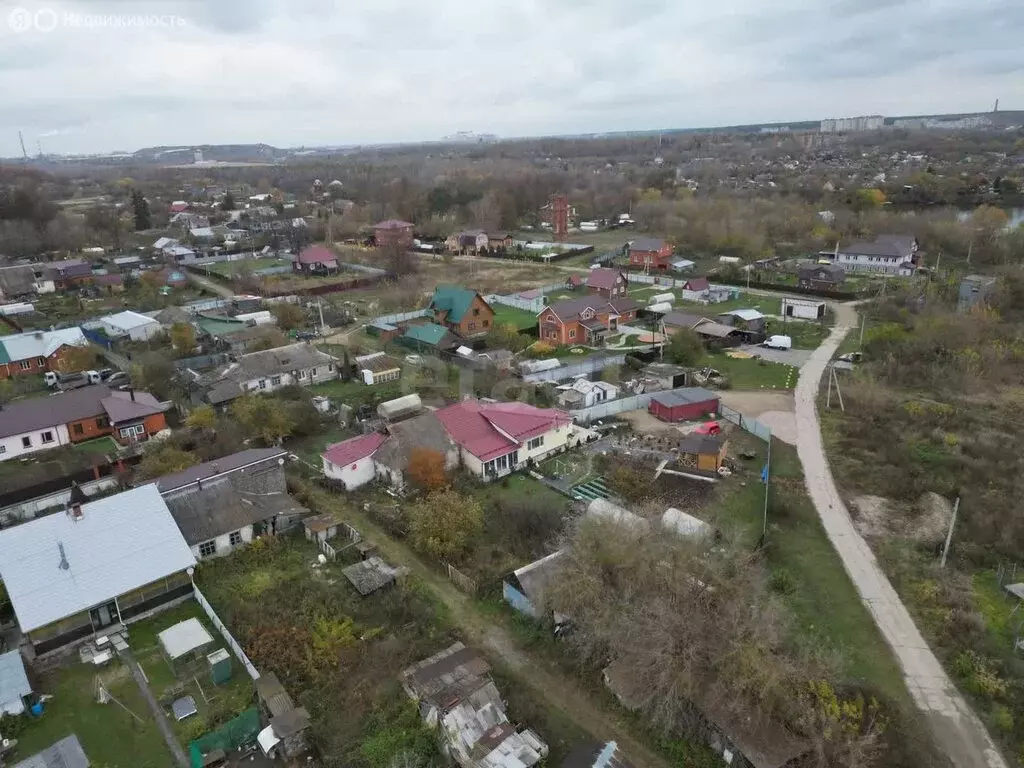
{"x": 98, "y": 75}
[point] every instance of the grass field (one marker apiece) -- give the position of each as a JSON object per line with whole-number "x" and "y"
{"x": 806, "y": 335}
{"x": 751, "y": 373}
{"x": 355, "y": 393}
{"x": 768, "y": 305}
{"x": 230, "y": 268}
{"x": 519, "y": 318}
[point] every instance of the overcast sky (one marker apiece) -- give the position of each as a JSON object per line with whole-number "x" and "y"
{"x": 309, "y": 72}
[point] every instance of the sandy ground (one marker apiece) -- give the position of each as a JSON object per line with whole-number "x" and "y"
{"x": 773, "y": 409}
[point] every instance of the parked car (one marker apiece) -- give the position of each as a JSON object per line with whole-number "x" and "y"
{"x": 118, "y": 377}
{"x": 106, "y": 373}
{"x": 850, "y": 357}
{"x": 778, "y": 342}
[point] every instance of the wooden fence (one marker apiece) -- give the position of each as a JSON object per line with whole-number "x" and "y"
{"x": 459, "y": 579}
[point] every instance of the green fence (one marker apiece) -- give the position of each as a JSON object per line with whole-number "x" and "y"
{"x": 233, "y": 734}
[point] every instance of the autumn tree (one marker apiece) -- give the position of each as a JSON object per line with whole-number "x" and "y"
{"x": 288, "y": 316}
{"x": 202, "y": 417}
{"x": 154, "y": 373}
{"x": 445, "y": 523}
{"x": 262, "y": 418}
{"x": 426, "y": 468}
{"x": 685, "y": 347}
{"x": 868, "y": 199}
{"x": 183, "y": 339}
{"x": 163, "y": 460}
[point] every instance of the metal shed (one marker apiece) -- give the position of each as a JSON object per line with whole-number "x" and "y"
{"x": 686, "y": 404}
{"x": 14, "y": 686}
{"x": 184, "y": 641}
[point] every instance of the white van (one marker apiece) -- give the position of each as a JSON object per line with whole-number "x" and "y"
{"x": 778, "y": 342}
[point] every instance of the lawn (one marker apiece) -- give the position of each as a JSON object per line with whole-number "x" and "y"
{"x": 753, "y": 373}
{"x": 768, "y": 305}
{"x": 310, "y": 448}
{"x": 111, "y": 737}
{"x": 355, "y": 393}
{"x": 231, "y": 268}
{"x": 805, "y": 335}
{"x": 520, "y": 318}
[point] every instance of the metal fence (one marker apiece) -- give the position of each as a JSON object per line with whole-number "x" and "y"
{"x": 97, "y": 336}
{"x": 582, "y": 368}
{"x": 228, "y": 637}
{"x": 752, "y": 426}
{"x": 612, "y": 407}
{"x": 398, "y": 317}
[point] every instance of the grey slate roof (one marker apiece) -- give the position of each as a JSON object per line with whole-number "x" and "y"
{"x": 882, "y": 245}
{"x": 13, "y": 680}
{"x": 221, "y": 508}
{"x": 66, "y": 753}
{"x": 272, "y": 362}
{"x": 681, "y": 319}
{"x": 647, "y": 244}
{"x": 423, "y": 431}
{"x": 121, "y": 543}
{"x": 369, "y": 575}
{"x": 208, "y": 469}
{"x": 17, "y": 281}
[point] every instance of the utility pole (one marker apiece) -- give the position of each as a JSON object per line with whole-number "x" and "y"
{"x": 767, "y": 475}
{"x": 863, "y": 322}
{"x": 970, "y": 247}
{"x": 320, "y": 306}
{"x": 949, "y": 534}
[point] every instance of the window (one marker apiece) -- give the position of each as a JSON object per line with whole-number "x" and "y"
{"x": 472, "y": 326}
{"x": 47, "y": 436}
{"x": 207, "y": 548}
{"x": 263, "y": 384}
{"x": 476, "y": 312}
{"x": 25, "y": 365}
{"x": 572, "y": 333}
{"x": 302, "y": 374}
{"x": 78, "y": 429}
{"x": 26, "y": 442}
{"x": 133, "y": 431}
{"x": 3, "y": 449}
{"x": 536, "y": 443}
{"x": 486, "y": 323}
{"x": 235, "y": 538}
{"x": 102, "y": 422}
{"x": 275, "y": 381}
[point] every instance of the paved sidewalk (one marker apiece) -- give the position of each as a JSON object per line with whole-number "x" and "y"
{"x": 958, "y": 731}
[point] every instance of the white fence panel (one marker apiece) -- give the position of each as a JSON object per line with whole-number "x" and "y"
{"x": 582, "y": 368}
{"x": 228, "y": 637}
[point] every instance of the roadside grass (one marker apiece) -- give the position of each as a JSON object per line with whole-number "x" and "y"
{"x": 518, "y": 318}
{"x": 355, "y": 393}
{"x": 109, "y": 735}
{"x": 753, "y": 373}
{"x": 805, "y": 335}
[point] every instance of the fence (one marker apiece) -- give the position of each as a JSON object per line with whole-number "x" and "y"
{"x": 200, "y": 361}
{"x": 399, "y": 317}
{"x": 97, "y": 336}
{"x": 459, "y": 579}
{"x": 752, "y": 426}
{"x": 205, "y": 305}
{"x": 612, "y": 407}
{"x": 582, "y": 368}
{"x": 228, "y": 637}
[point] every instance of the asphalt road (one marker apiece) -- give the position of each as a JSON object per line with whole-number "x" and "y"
{"x": 958, "y": 731}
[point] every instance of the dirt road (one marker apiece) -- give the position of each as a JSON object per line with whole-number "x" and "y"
{"x": 773, "y": 409}
{"x": 545, "y": 681}
{"x": 957, "y": 729}
{"x": 210, "y": 286}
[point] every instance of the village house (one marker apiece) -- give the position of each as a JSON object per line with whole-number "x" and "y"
{"x": 70, "y": 273}
{"x": 393, "y": 232}
{"x": 696, "y": 289}
{"x": 976, "y": 291}
{"x": 468, "y": 241}
{"x": 315, "y": 259}
{"x": 42, "y": 423}
{"x": 583, "y": 393}
{"x": 751, "y": 320}
{"x": 24, "y": 281}
{"x": 74, "y": 575}
{"x": 497, "y": 241}
{"x": 265, "y": 371}
{"x": 130, "y": 325}
{"x": 36, "y": 352}
{"x": 607, "y": 283}
{"x": 454, "y": 692}
{"x": 461, "y": 310}
{"x": 385, "y": 455}
{"x": 224, "y": 504}
{"x": 585, "y": 320}
{"x": 885, "y": 255}
{"x": 650, "y": 253}
{"x": 821, "y": 277}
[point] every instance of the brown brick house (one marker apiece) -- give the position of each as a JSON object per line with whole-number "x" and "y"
{"x": 606, "y": 282}
{"x": 586, "y": 320}
{"x": 650, "y": 253}
{"x": 461, "y": 310}
{"x": 35, "y": 352}
{"x": 393, "y": 232}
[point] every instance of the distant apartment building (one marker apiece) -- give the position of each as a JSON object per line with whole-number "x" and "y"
{"x": 852, "y": 124}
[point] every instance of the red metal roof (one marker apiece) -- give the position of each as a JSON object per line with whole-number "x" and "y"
{"x": 393, "y": 224}
{"x": 352, "y": 450}
{"x": 316, "y": 254}
{"x": 479, "y": 427}
{"x": 697, "y": 284}
{"x": 178, "y": 207}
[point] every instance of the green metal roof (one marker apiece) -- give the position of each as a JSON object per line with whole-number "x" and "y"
{"x": 220, "y": 326}
{"x": 454, "y": 299}
{"x": 4, "y": 357}
{"x": 428, "y": 333}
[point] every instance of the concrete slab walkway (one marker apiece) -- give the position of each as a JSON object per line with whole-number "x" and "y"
{"x": 958, "y": 731}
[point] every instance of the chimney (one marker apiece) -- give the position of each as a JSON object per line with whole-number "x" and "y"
{"x": 75, "y": 512}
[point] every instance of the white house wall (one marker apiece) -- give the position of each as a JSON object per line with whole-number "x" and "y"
{"x": 223, "y": 544}
{"x": 313, "y": 376}
{"x": 354, "y": 475}
{"x": 11, "y": 447}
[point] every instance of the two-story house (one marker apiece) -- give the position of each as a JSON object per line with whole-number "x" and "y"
{"x": 461, "y": 310}
{"x": 315, "y": 259}
{"x": 821, "y": 277}
{"x": 606, "y": 282}
{"x": 393, "y": 232}
{"x": 885, "y": 255}
{"x": 27, "y": 426}
{"x": 36, "y": 352}
{"x": 70, "y": 273}
{"x": 260, "y": 372}
{"x": 586, "y": 320}
{"x": 650, "y": 253}
{"x": 467, "y": 241}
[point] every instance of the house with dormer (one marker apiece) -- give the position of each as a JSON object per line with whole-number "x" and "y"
{"x": 586, "y": 320}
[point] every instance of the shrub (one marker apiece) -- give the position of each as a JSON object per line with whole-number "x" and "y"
{"x": 782, "y": 581}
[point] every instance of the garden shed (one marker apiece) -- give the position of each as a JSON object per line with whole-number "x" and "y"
{"x": 684, "y": 404}
{"x": 184, "y": 642}
{"x": 14, "y": 685}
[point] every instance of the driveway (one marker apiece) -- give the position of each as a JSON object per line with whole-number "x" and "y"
{"x": 795, "y": 357}
{"x": 958, "y": 731}
{"x": 773, "y": 409}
